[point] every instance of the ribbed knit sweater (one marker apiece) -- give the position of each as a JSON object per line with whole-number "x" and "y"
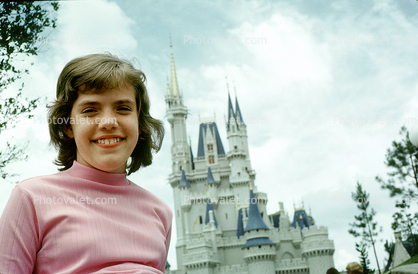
{"x": 83, "y": 220}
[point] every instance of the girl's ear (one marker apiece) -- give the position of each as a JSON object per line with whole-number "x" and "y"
{"x": 68, "y": 131}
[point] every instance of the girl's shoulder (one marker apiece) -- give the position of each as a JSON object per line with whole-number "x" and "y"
{"x": 42, "y": 181}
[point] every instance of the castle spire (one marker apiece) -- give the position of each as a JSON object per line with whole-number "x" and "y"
{"x": 255, "y": 221}
{"x": 231, "y": 113}
{"x": 183, "y": 180}
{"x": 174, "y": 84}
{"x": 238, "y": 114}
{"x": 210, "y": 180}
{"x": 168, "y": 87}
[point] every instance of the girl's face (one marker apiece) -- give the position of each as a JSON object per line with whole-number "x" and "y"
{"x": 105, "y": 128}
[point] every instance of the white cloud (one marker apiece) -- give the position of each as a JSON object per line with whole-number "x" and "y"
{"x": 92, "y": 26}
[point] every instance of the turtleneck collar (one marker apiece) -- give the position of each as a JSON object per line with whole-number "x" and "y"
{"x": 84, "y": 172}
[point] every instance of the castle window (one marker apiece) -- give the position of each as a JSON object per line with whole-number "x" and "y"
{"x": 211, "y": 159}
{"x": 210, "y": 147}
{"x": 226, "y": 215}
{"x": 201, "y": 219}
{"x": 235, "y": 147}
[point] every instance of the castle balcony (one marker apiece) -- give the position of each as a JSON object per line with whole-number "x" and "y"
{"x": 198, "y": 260}
{"x": 317, "y": 247}
{"x": 259, "y": 253}
{"x": 199, "y": 244}
{"x": 234, "y": 269}
{"x": 236, "y": 154}
{"x": 297, "y": 265}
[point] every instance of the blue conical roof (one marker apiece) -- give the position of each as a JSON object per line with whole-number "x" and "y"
{"x": 240, "y": 225}
{"x": 231, "y": 112}
{"x": 210, "y": 177}
{"x": 302, "y": 219}
{"x": 202, "y": 130}
{"x": 254, "y": 219}
{"x": 209, "y": 207}
{"x": 255, "y": 222}
{"x": 238, "y": 114}
{"x": 183, "y": 180}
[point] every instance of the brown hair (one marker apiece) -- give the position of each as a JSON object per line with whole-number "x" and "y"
{"x": 354, "y": 268}
{"x": 332, "y": 270}
{"x": 96, "y": 73}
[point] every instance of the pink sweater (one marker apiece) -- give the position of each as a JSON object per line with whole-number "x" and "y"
{"x": 83, "y": 220}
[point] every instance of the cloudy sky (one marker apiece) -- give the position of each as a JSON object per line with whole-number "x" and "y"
{"x": 323, "y": 86}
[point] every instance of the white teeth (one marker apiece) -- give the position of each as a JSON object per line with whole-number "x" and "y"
{"x": 108, "y": 141}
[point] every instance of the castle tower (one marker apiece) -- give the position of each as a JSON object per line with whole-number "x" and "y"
{"x": 238, "y": 155}
{"x": 181, "y": 160}
{"x": 259, "y": 250}
{"x": 176, "y": 116}
{"x": 317, "y": 248}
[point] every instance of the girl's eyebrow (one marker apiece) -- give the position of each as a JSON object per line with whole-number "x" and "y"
{"x": 94, "y": 103}
{"x": 88, "y": 103}
{"x": 126, "y": 101}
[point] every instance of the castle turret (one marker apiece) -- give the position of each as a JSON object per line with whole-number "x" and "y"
{"x": 317, "y": 248}
{"x": 181, "y": 160}
{"x": 259, "y": 250}
{"x": 176, "y": 116}
{"x": 238, "y": 155}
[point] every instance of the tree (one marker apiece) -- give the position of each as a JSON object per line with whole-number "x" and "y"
{"x": 20, "y": 24}
{"x": 364, "y": 226}
{"x": 364, "y": 260}
{"x": 403, "y": 180}
{"x": 402, "y": 183}
{"x": 389, "y": 248}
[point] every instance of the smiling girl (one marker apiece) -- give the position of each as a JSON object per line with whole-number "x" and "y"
{"x": 89, "y": 218}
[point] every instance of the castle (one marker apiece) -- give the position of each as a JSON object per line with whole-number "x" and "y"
{"x": 221, "y": 219}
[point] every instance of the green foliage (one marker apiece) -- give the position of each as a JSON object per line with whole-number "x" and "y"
{"x": 389, "y": 248}
{"x": 20, "y": 24}
{"x": 402, "y": 183}
{"x": 364, "y": 226}
{"x": 365, "y": 219}
{"x": 402, "y": 180}
{"x": 364, "y": 261}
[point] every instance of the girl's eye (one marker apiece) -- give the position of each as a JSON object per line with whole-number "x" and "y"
{"x": 124, "y": 108}
{"x": 88, "y": 110}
